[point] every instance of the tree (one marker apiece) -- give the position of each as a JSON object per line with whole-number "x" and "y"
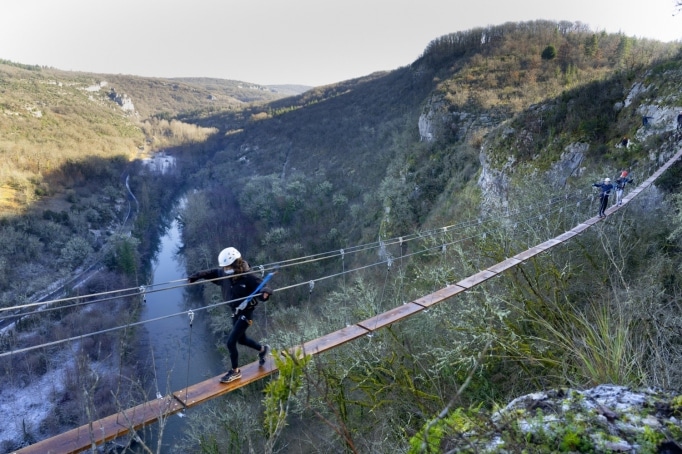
{"x": 75, "y": 251}
{"x": 549, "y": 53}
{"x": 592, "y": 45}
{"x": 123, "y": 257}
{"x": 278, "y": 394}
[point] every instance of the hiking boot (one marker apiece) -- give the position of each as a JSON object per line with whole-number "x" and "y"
{"x": 262, "y": 355}
{"x": 231, "y": 376}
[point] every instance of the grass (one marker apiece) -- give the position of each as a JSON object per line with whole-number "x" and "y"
{"x": 595, "y": 345}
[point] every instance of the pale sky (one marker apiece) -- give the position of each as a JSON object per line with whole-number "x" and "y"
{"x": 269, "y": 42}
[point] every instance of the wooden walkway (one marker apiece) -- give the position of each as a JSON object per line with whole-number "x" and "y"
{"x": 114, "y": 426}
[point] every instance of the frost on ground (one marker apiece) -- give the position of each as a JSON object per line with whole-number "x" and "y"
{"x": 23, "y": 408}
{"x": 25, "y": 405}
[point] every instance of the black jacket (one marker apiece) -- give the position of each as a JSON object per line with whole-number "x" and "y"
{"x": 621, "y": 182}
{"x": 234, "y": 288}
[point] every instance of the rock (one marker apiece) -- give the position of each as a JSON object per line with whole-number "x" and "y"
{"x": 606, "y": 418}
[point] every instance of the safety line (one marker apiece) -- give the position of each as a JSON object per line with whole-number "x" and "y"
{"x": 266, "y": 267}
{"x": 142, "y": 290}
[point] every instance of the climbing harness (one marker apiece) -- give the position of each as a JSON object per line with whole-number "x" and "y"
{"x": 248, "y": 299}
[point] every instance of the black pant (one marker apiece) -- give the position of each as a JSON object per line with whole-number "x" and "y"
{"x": 604, "y": 203}
{"x": 238, "y": 336}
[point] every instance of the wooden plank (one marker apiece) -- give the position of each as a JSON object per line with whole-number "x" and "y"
{"x": 548, "y": 244}
{"x": 566, "y": 235}
{"x": 389, "y": 317}
{"x": 591, "y": 221}
{"x": 528, "y": 253}
{"x": 504, "y": 265}
{"x": 439, "y": 296}
{"x": 211, "y": 388}
{"x": 331, "y": 340}
{"x": 476, "y": 279}
{"x": 106, "y": 429}
{"x": 580, "y": 228}
{"x": 120, "y": 424}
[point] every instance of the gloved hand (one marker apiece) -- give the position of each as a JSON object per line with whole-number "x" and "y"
{"x": 242, "y": 306}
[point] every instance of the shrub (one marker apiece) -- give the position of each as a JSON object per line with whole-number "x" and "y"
{"x": 549, "y": 53}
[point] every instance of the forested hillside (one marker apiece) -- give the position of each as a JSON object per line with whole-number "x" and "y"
{"x": 487, "y": 144}
{"x": 81, "y": 211}
{"x": 488, "y": 128}
{"x": 385, "y": 152}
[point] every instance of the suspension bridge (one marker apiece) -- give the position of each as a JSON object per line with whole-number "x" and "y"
{"x": 132, "y": 419}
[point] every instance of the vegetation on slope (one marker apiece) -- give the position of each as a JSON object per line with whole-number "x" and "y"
{"x": 580, "y": 315}
{"x": 71, "y": 153}
{"x": 346, "y": 163}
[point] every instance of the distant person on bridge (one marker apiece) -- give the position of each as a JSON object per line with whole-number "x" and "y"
{"x": 621, "y": 181}
{"x": 606, "y": 188}
{"x": 236, "y": 287}
{"x": 679, "y": 121}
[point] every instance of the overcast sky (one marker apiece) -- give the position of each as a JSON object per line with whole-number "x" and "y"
{"x": 309, "y": 42}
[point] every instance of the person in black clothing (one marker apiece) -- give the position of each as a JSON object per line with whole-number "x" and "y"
{"x": 621, "y": 181}
{"x": 606, "y": 188}
{"x": 679, "y": 121}
{"x": 236, "y": 285}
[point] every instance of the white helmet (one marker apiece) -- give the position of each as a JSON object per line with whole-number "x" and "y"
{"x": 228, "y": 256}
{"x": 606, "y": 180}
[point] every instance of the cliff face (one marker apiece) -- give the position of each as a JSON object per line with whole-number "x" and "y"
{"x": 517, "y": 149}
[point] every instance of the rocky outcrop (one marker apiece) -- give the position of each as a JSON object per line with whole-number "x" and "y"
{"x": 122, "y": 100}
{"x": 427, "y": 131}
{"x": 494, "y": 183}
{"x": 438, "y": 119}
{"x": 604, "y": 419}
{"x": 433, "y": 117}
{"x": 658, "y": 118}
{"x": 568, "y": 164}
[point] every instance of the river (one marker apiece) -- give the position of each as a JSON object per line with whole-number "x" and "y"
{"x": 182, "y": 354}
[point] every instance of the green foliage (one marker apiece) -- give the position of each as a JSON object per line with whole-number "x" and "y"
{"x": 650, "y": 439}
{"x": 19, "y": 65}
{"x": 677, "y": 404}
{"x": 548, "y": 53}
{"x": 592, "y": 45}
{"x": 456, "y": 423}
{"x": 124, "y": 256}
{"x": 278, "y": 391}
